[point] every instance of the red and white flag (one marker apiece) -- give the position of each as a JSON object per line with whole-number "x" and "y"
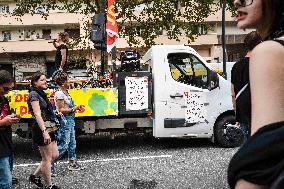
{"x": 111, "y": 26}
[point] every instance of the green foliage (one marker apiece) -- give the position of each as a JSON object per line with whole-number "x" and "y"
{"x": 155, "y": 15}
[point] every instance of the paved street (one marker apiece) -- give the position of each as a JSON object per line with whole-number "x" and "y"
{"x": 134, "y": 162}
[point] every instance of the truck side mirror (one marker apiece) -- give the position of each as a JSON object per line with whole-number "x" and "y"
{"x": 213, "y": 80}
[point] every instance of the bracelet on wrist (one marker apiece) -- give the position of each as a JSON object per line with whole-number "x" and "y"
{"x": 73, "y": 110}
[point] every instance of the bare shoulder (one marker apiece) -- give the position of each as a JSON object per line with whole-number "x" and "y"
{"x": 268, "y": 53}
{"x": 268, "y": 49}
{"x": 266, "y": 71}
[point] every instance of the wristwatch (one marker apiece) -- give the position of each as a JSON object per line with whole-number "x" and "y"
{"x": 43, "y": 130}
{"x": 73, "y": 110}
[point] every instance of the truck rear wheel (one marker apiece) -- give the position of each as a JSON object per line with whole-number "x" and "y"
{"x": 226, "y": 135}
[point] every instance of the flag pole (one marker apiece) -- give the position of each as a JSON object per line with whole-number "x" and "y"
{"x": 113, "y": 61}
{"x": 102, "y": 61}
{"x": 112, "y": 33}
{"x": 113, "y": 58}
{"x": 223, "y": 39}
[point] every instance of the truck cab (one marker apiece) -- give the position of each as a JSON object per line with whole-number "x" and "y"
{"x": 189, "y": 99}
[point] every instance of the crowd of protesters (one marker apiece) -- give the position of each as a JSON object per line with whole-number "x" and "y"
{"x": 52, "y": 127}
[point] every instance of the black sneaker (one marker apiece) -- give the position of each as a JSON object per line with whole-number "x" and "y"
{"x": 15, "y": 181}
{"x": 53, "y": 174}
{"x": 36, "y": 180}
{"x": 74, "y": 167}
{"x": 52, "y": 187}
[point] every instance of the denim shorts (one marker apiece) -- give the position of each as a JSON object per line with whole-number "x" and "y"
{"x": 5, "y": 173}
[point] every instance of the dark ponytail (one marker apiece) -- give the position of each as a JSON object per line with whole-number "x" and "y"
{"x": 276, "y": 8}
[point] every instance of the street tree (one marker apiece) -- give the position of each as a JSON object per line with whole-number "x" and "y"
{"x": 139, "y": 21}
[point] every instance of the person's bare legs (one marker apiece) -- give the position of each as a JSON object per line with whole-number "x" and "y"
{"x": 37, "y": 172}
{"x": 46, "y": 155}
{"x": 242, "y": 184}
{"x": 55, "y": 152}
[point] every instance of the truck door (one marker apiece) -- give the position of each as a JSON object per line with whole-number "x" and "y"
{"x": 185, "y": 97}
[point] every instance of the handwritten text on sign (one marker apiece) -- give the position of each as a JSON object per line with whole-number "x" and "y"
{"x": 136, "y": 93}
{"x": 195, "y": 111}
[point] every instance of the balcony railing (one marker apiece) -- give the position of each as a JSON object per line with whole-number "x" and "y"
{"x": 26, "y": 46}
{"x": 42, "y": 45}
{"x": 232, "y": 39}
{"x": 37, "y": 20}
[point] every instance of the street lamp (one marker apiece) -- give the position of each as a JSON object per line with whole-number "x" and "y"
{"x": 223, "y": 38}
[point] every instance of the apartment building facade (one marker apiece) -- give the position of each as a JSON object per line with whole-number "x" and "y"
{"x": 25, "y": 43}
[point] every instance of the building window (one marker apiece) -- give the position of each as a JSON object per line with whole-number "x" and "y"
{"x": 172, "y": 30}
{"x": 233, "y": 57}
{"x": 4, "y": 8}
{"x": 202, "y": 30}
{"x": 46, "y": 34}
{"x": 160, "y": 31}
{"x": 73, "y": 33}
{"x": 6, "y": 35}
{"x": 177, "y": 5}
{"x": 138, "y": 31}
{"x": 40, "y": 10}
{"x": 26, "y": 34}
{"x": 239, "y": 38}
{"x": 232, "y": 39}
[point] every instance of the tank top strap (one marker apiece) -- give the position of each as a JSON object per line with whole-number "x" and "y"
{"x": 281, "y": 41}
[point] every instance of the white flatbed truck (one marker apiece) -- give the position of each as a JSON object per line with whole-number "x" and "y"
{"x": 178, "y": 96}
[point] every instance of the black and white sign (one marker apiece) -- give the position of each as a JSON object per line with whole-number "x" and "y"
{"x": 195, "y": 111}
{"x": 136, "y": 93}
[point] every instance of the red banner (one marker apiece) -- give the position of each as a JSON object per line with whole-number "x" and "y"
{"x": 111, "y": 26}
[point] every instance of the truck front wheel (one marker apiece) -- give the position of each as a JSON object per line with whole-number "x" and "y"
{"x": 226, "y": 134}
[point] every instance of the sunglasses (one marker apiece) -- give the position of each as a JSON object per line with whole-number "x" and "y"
{"x": 245, "y": 3}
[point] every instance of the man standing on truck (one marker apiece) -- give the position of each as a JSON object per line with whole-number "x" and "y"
{"x": 6, "y": 120}
{"x": 240, "y": 88}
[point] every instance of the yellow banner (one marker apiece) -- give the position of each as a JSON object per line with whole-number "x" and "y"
{"x": 95, "y": 101}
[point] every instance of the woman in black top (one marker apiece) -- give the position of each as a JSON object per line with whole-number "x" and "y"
{"x": 61, "y": 56}
{"x": 259, "y": 163}
{"x": 42, "y": 111}
{"x": 240, "y": 85}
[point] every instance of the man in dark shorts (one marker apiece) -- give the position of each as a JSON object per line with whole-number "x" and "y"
{"x": 241, "y": 96}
